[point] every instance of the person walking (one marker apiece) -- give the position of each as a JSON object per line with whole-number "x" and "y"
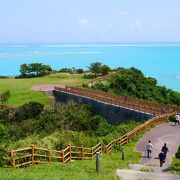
{"x": 149, "y": 148}
{"x": 162, "y": 157}
{"x": 165, "y": 150}
{"x": 177, "y": 118}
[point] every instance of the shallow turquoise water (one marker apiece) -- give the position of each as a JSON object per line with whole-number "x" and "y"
{"x": 161, "y": 61}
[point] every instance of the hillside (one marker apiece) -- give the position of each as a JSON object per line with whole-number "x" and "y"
{"x": 133, "y": 83}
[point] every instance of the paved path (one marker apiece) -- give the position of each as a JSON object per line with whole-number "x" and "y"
{"x": 164, "y": 133}
{"x": 139, "y": 175}
{"x": 46, "y": 87}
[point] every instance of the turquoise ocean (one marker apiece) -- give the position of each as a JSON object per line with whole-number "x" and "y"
{"x": 158, "y": 60}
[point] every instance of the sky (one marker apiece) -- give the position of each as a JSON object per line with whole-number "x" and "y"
{"x": 58, "y": 21}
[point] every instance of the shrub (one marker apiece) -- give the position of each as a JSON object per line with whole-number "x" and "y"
{"x": 178, "y": 153}
{"x": 3, "y": 130}
{"x": 5, "y": 96}
{"x": 172, "y": 118}
{"x": 80, "y": 71}
{"x": 28, "y": 111}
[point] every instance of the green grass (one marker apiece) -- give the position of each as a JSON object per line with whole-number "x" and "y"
{"x": 176, "y": 166}
{"x": 76, "y": 170}
{"x": 146, "y": 170}
{"x": 21, "y": 91}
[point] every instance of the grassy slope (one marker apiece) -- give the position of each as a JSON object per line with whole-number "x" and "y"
{"x": 76, "y": 170}
{"x": 21, "y": 88}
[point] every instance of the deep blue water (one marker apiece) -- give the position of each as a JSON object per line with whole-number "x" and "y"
{"x": 158, "y": 60}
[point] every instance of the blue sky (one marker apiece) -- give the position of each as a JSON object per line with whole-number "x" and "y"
{"x": 89, "y": 20}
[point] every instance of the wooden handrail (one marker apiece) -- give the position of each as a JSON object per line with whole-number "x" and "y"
{"x": 146, "y": 106}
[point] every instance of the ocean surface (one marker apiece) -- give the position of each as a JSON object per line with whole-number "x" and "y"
{"x": 158, "y": 60}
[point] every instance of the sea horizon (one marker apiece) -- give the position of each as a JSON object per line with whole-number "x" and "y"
{"x": 155, "y": 59}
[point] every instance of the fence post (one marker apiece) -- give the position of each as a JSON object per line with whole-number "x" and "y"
{"x": 70, "y": 151}
{"x": 49, "y": 155}
{"x": 13, "y": 163}
{"x": 92, "y": 151}
{"x": 127, "y": 139}
{"x": 111, "y": 147}
{"x": 101, "y": 147}
{"x": 82, "y": 152}
{"x": 32, "y": 154}
{"x": 62, "y": 156}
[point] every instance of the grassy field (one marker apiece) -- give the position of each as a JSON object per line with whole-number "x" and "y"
{"x": 76, "y": 170}
{"x": 21, "y": 91}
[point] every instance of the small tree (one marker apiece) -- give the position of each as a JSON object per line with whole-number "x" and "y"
{"x": 4, "y": 96}
{"x": 95, "y": 67}
{"x": 34, "y": 69}
{"x": 80, "y": 71}
{"x": 105, "y": 70}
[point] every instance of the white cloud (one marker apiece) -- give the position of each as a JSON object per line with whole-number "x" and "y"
{"x": 83, "y": 21}
{"x": 122, "y": 13}
{"x": 137, "y": 24}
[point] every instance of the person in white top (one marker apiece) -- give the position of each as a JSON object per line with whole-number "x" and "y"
{"x": 149, "y": 148}
{"x": 177, "y": 120}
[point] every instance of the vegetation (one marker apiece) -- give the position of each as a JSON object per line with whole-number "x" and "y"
{"x": 72, "y": 70}
{"x": 176, "y": 162}
{"x": 34, "y": 70}
{"x": 4, "y": 96}
{"x": 56, "y": 127}
{"x": 97, "y": 67}
{"x": 132, "y": 83}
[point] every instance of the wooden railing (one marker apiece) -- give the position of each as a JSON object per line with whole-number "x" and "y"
{"x": 137, "y": 105}
{"x": 31, "y": 155}
{"x": 101, "y": 77}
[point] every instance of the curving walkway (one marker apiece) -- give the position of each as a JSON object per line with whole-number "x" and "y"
{"x": 164, "y": 133}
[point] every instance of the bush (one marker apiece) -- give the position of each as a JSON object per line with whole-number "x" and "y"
{"x": 4, "y": 114}
{"x": 80, "y": 71}
{"x": 178, "y": 153}
{"x": 28, "y": 111}
{"x": 5, "y": 96}
{"x": 172, "y": 118}
{"x": 3, "y": 130}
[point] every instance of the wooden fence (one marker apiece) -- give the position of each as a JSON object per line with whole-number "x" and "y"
{"x": 130, "y": 103}
{"x": 102, "y": 77}
{"x": 31, "y": 155}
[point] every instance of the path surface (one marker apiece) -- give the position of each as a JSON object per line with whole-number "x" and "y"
{"x": 138, "y": 172}
{"x": 46, "y": 87}
{"x": 164, "y": 133}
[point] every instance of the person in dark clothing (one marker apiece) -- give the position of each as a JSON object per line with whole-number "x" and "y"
{"x": 165, "y": 149}
{"x": 162, "y": 157}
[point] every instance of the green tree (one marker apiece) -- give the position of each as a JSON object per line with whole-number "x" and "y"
{"x": 80, "y": 71}
{"x": 34, "y": 69}
{"x": 4, "y": 96}
{"x": 95, "y": 67}
{"x": 24, "y": 69}
{"x": 105, "y": 70}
